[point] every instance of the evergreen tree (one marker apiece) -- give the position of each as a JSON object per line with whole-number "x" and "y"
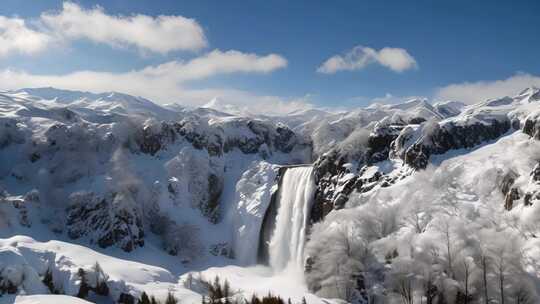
{"x": 49, "y": 282}
{"x": 84, "y": 288}
{"x": 255, "y": 300}
{"x": 101, "y": 278}
{"x": 171, "y": 299}
{"x": 144, "y": 299}
{"x": 153, "y": 300}
{"x": 226, "y": 292}
{"x": 218, "y": 292}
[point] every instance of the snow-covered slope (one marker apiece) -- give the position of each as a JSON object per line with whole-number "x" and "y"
{"x": 87, "y": 104}
{"x": 166, "y": 197}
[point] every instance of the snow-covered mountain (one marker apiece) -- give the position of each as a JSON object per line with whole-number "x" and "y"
{"x": 413, "y": 202}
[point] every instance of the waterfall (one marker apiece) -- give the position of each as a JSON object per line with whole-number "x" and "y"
{"x": 294, "y": 198}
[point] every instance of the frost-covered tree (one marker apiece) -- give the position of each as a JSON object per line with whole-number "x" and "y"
{"x": 195, "y": 179}
{"x": 182, "y": 240}
{"x": 339, "y": 254}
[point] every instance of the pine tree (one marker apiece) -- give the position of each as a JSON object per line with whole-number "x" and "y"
{"x": 255, "y": 300}
{"x": 218, "y": 292}
{"x": 153, "y": 300}
{"x": 226, "y": 292}
{"x": 49, "y": 282}
{"x": 304, "y": 300}
{"x": 144, "y": 299}
{"x": 171, "y": 299}
{"x": 101, "y": 284}
{"x": 84, "y": 288}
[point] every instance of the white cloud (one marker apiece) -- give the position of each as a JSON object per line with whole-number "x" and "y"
{"x": 166, "y": 83}
{"x": 17, "y": 37}
{"x": 396, "y": 59}
{"x": 217, "y": 62}
{"x": 473, "y": 92}
{"x": 160, "y": 34}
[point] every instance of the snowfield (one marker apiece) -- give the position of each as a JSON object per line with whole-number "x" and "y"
{"x": 106, "y": 196}
{"x": 46, "y": 299}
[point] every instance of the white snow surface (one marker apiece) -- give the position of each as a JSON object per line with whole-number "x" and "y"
{"x": 49, "y": 299}
{"x": 86, "y": 128}
{"x": 253, "y": 194}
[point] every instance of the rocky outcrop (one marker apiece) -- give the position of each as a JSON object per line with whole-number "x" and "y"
{"x": 248, "y": 135}
{"x": 531, "y": 126}
{"x": 535, "y": 173}
{"x": 380, "y": 141}
{"x": 336, "y": 179}
{"x": 511, "y": 196}
{"x": 508, "y": 181}
{"x": 154, "y": 137}
{"x": 416, "y": 146}
{"x": 514, "y": 193}
{"x": 328, "y": 168}
{"x": 532, "y": 195}
{"x": 269, "y": 222}
{"x": 111, "y": 220}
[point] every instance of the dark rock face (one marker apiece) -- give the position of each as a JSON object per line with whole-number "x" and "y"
{"x": 285, "y": 139}
{"x": 216, "y": 140}
{"x": 535, "y": 174}
{"x": 113, "y": 220}
{"x": 327, "y": 169}
{"x": 269, "y": 223}
{"x": 448, "y": 137}
{"x": 154, "y": 138}
{"x": 380, "y": 141}
{"x": 532, "y": 127}
{"x": 533, "y": 196}
{"x": 508, "y": 181}
{"x": 335, "y": 182}
{"x": 511, "y": 196}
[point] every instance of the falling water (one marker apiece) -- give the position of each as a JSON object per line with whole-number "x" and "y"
{"x": 294, "y": 199}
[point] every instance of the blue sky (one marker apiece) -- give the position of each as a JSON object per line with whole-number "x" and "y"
{"x": 465, "y": 50}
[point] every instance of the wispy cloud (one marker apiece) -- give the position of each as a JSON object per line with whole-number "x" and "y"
{"x": 473, "y": 92}
{"x": 396, "y": 59}
{"x": 17, "y": 37}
